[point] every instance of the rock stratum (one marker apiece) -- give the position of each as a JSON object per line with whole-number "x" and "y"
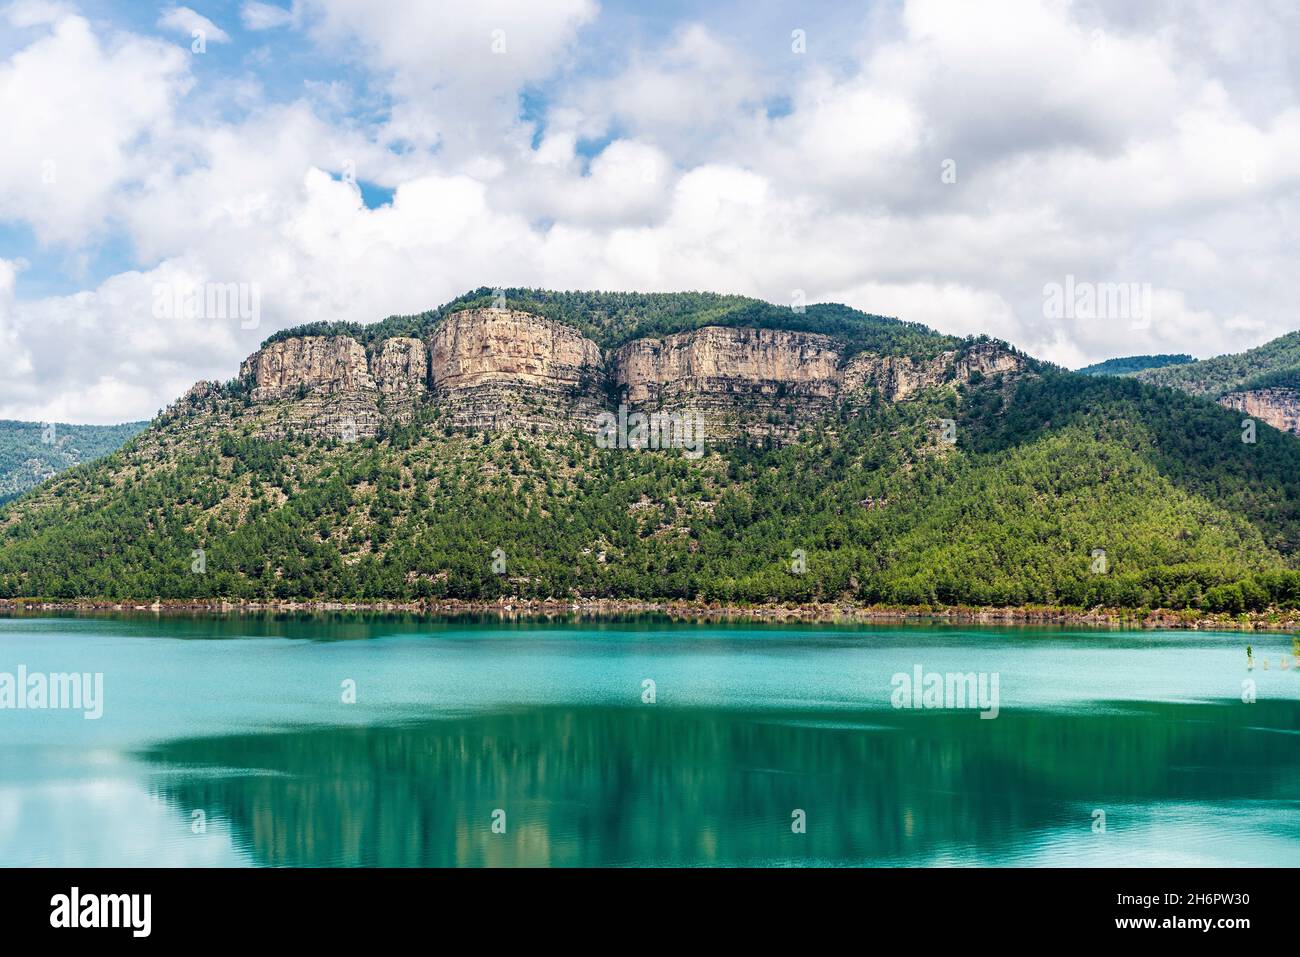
{"x": 1262, "y": 383}
{"x": 506, "y": 368}
{"x": 498, "y": 368}
{"x": 1280, "y": 408}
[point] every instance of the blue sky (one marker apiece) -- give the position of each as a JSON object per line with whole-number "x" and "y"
{"x": 349, "y": 160}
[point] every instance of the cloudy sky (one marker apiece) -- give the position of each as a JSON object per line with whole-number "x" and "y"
{"x": 945, "y": 162}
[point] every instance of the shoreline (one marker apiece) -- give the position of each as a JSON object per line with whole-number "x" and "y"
{"x": 816, "y": 612}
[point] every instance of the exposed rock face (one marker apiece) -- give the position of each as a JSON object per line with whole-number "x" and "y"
{"x": 498, "y": 368}
{"x": 895, "y": 377}
{"x": 197, "y": 396}
{"x": 342, "y": 416}
{"x": 986, "y": 358}
{"x": 1280, "y": 408}
{"x": 899, "y": 377}
{"x": 750, "y": 380}
{"x": 722, "y": 359}
{"x": 493, "y": 367}
{"x": 322, "y": 386}
{"x": 291, "y": 367}
{"x": 400, "y": 366}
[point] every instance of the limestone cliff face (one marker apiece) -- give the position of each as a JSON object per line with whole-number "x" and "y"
{"x": 898, "y": 377}
{"x": 318, "y": 364}
{"x": 497, "y": 368}
{"x": 728, "y": 360}
{"x": 493, "y": 367}
{"x": 1280, "y": 408}
{"x": 986, "y": 358}
{"x": 313, "y": 385}
{"x": 750, "y": 380}
{"x": 400, "y": 366}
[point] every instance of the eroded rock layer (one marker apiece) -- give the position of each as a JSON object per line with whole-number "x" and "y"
{"x": 1280, "y": 408}
{"x": 291, "y": 368}
{"x": 400, "y": 366}
{"x": 496, "y": 367}
{"x": 749, "y": 380}
{"x": 899, "y": 377}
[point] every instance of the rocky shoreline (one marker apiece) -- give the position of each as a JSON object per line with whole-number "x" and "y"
{"x": 822, "y": 613}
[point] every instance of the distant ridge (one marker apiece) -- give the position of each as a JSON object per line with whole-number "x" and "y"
{"x": 612, "y": 319}
{"x": 1131, "y": 365}
{"x": 31, "y": 452}
{"x": 1261, "y": 367}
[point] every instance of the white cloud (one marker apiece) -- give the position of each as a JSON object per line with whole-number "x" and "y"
{"x": 1089, "y": 141}
{"x": 264, "y": 16}
{"x": 687, "y": 96}
{"x": 80, "y": 110}
{"x": 31, "y": 13}
{"x": 454, "y": 70}
{"x": 190, "y": 23}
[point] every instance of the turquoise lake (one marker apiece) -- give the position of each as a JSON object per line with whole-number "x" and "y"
{"x": 233, "y": 741}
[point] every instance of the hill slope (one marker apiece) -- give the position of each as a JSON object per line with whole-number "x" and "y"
{"x": 1261, "y": 383}
{"x": 1231, "y": 373}
{"x": 1132, "y": 365}
{"x": 31, "y": 452}
{"x": 1059, "y": 489}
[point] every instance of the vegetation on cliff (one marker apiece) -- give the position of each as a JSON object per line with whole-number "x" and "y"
{"x": 1261, "y": 367}
{"x": 1061, "y": 489}
{"x": 614, "y": 318}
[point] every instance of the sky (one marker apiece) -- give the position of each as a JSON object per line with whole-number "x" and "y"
{"x": 179, "y": 182}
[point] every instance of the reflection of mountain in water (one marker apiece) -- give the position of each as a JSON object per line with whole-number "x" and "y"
{"x": 660, "y": 786}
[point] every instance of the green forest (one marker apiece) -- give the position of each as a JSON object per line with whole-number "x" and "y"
{"x": 1061, "y": 489}
{"x": 1253, "y": 369}
{"x": 1131, "y": 365}
{"x": 613, "y": 318}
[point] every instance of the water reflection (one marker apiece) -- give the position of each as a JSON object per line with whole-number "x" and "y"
{"x": 611, "y": 786}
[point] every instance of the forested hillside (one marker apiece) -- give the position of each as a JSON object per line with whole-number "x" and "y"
{"x": 1253, "y": 369}
{"x": 1060, "y": 489}
{"x": 1131, "y": 365}
{"x": 31, "y": 452}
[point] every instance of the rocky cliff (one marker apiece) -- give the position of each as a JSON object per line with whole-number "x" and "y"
{"x": 494, "y": 367}
{"x": 1280, "y": 408}
{"x": 311, "y": 364}
{"x": 319, "y": 385}
{"x": 400, "y": 366}
{"x": 751, "y": 380}
{"x": 498, "y": 368}
{"x": 898, "y": 377}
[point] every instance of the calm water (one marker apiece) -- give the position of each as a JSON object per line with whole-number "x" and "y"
{"x": 240, "y": 724}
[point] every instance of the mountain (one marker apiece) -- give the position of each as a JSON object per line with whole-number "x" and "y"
{"x": 1131, "y": 365}
{"x": 31, "y": 452}
{"x": 549, "y": 445}
{"x": 1227, "y": 374}
{"x": 1261, "y": 383}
